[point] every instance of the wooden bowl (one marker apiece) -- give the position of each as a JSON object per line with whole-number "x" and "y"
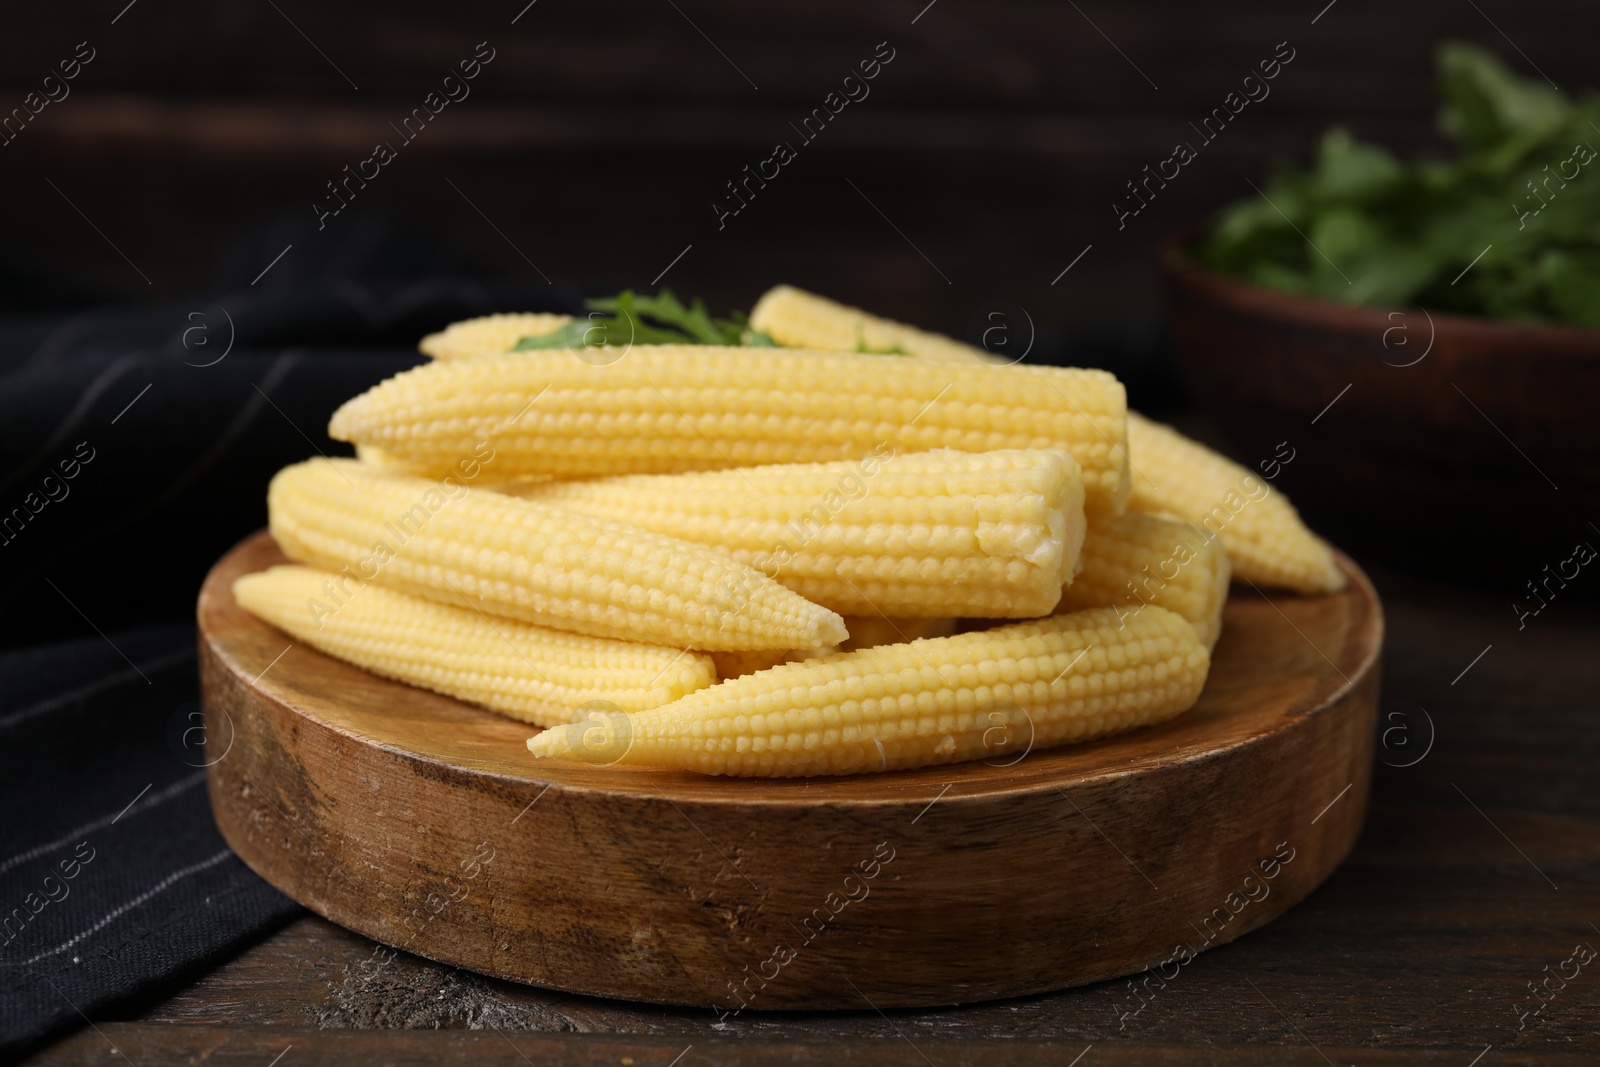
{"x": 424, "y": 824}
{"x": 1447, "y": 435}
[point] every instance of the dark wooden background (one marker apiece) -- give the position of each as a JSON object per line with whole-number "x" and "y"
{"x": 596, "y": 140}
{"x": 996, "y": 142}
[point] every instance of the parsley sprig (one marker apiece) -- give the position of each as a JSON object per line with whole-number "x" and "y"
{"x": 1519, "y": 205}
{"x": 629, "y": 318}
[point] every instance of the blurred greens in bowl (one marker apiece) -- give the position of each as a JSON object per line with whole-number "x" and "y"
{"x": 1509, "y": 228}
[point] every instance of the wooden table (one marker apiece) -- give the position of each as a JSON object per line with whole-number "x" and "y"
{"x": 1479, "y": 869}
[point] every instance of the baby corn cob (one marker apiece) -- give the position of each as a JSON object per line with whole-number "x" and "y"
{"x": 869, "y": 631}
{"x": 1136, "y": 560}
{"x": 379, "y": 460}
{"x": 489, "y": 333}
{"x": 866, "y": 631}
{"x": 377, "y": 457}
{"x": 1009, "y": 690}
{"x": 668, "y": 408}
{"x": 533, "y": 562}
{"x": 738, "y": 664}
{"x": 799, "y": 319}
{"x": 1266, "y": 541}
{"x": 528, "y": 672}
{"x": 991, "y": 534}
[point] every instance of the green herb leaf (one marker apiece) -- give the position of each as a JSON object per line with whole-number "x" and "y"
{"x": 629, "y": 318}
{"x": 1484, "y": 103}
{"x": 572, "y": 335}
{"x": 1359, "y": 226}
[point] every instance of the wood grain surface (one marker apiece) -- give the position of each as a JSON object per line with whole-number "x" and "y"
{"x": 422, "y": 822}
{"x": 145, "y": 1043}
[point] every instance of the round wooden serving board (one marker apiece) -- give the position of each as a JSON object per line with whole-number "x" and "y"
{"x": 425, "y": 824}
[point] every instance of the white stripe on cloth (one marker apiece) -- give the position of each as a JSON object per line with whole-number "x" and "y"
{"x": 180, "y": 786}
{"x": 110, "y": 681}
{"x": 111, "y": 916}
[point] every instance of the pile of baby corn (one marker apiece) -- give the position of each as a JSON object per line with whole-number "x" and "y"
{"x": 773, "y": 561}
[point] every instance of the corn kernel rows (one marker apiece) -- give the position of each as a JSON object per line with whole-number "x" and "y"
{"x": 799, "y": 319}
{"x": 1137, "y": 559}
{"x": 1265, "y": 538}
{"x": 670, "y": 408}
{"x": 531, "y": 673}
{"x": 533, "y": 562}
{"x": 1020, "y": 687}
{"x": 490, "y": 333}
{"x": 940, "y": 533}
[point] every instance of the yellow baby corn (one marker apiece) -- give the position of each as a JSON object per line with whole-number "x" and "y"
{"x": 490, "y": 333}
{"x": 866, "y": 631}
{"x": 377, "y": 457}
{"x": 738, "y": 664}
{"x": 668, "y": 408}
{"x": 533, "y": 562}
{"x": 799, "y": 319}
{"x": 528, "y": 672}
{"x": 999, "y": 693}
{"x": 1137, "y": 559}
{"x": 869, "y": 631}
{"x": 379, "y": 460}
{"x": 1266, "y": 541}
{"x": 991, "y": 534}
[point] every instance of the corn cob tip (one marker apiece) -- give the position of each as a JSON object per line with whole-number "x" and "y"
{"x": 831, "y": 629}
{"x": 605, "y": 741}
{"x": 342, "y": 424}
{"x": 554, "y": 742}
{"x": 488, "y": 334}
{"x": 1267, "y": 541}
{"x": 1331, "y": 578}
{"x": 242, "y": 586}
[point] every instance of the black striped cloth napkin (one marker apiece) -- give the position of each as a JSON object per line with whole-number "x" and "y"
{"x": 136, "y": 443}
